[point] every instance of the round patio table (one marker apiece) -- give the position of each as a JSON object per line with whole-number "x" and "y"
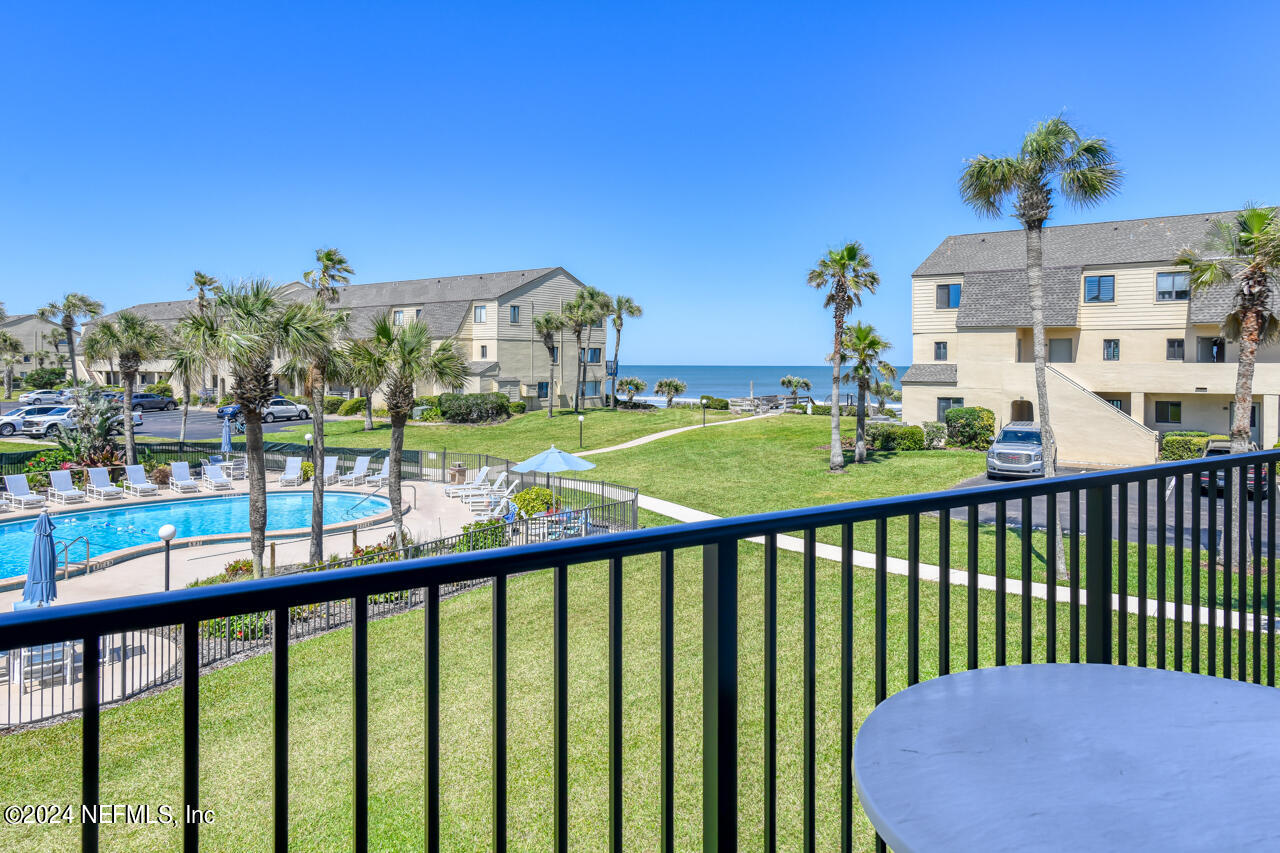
{"x": 1073, "y": 757}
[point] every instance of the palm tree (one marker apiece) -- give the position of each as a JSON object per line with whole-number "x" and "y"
{"x": 588, "y": 306}
{"x": 403, "y": 356}
{"x": 864, "y": 350}
{"x": 203, "y": 284}
{"x": 362, "y": 373}
{"x": 73, "y": 308}
{"x": 546, "y": 325}
{"x": 795, "y": 384}
{"x": 96, "y": 346}
{"x": 333, "y": 270}
{"x": 247, "y": 325}
{"x": 186, "y": 367}
{"x": 41, "y": 356}
{"x": 670, "y": 388}
{"x": 631, "y": 386}
{"x": 10, "y": 357}
{"x": 884, "y": 392}
{"x": 620, "y": 308}
{"x": 133, "y": 339}
{"x": 1085, "y": 172}
{"x": 845, "y": 273}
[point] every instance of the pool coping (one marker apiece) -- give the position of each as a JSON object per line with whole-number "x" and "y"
{"x": 111, "y": 558}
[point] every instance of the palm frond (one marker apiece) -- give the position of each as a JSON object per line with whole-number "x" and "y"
{"x": 987, "y": 182}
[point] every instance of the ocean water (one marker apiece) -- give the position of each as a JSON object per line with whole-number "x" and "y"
{"x": 123, "y": 524}
{"x": 728, "y": 381}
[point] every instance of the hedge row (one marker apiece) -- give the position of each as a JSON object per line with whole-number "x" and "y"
{"x": 474, "y": 408}
{"x": 1185, "y": 444}
{"x": 971, "y": 426}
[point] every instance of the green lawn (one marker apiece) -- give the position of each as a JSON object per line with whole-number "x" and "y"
{"x": 141, "y": 740}
{"x": 16, "y": 445}
{"x": 520, "y": 437}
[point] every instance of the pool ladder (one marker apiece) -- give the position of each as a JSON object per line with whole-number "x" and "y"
{"x": 66, "y": 554}
{"x": 351, "y": 509}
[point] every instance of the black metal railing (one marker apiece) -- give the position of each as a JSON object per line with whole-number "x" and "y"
{"x": 1217, "y": 608}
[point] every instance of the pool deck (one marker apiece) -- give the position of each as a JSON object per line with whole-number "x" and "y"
{"x": 434, "y": 516}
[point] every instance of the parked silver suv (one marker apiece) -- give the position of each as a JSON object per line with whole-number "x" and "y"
{"x": 1016, "y": 452}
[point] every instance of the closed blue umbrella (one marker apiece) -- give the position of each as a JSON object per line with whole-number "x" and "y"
{"x": 226, "y": 435}
{"x": 552, "y": 461}
{"x": 40, "y": 588}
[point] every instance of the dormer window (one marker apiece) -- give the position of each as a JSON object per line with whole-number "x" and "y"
{"x": 948, "y": 296}
{"x": 1099, "y": 288}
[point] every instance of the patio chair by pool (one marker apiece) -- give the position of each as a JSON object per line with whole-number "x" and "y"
{"x": 100, "y": 485}
{"x": 5, "y": 506}
{"x": 292, "y": 475}
{"x": 452, "y": 491}
{"x": 330, "y": 470}
{"x": 62, "y": 490}
{"x": 20, "y": 493}
{"x": 484, "y": 502}
{"x": 380, "y": 478}
{"x": 484, "y": 488}
{"x": 503, "y": 510}
{"x": 216, "y": 477}
{"x": 358, "y": 473}
{"x": 136, "y": 482}
{"x": 180, "y": 479}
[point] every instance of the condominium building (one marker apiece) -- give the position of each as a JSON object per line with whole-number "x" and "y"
{"x": 1132, "y": 352}
{"x": 43, "y": 342}
{"x": 490, "y": 316}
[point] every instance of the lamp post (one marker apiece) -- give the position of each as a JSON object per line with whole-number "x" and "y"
{"x": 704, "y": 411}
{"x": 167, "y": 532}
{"x": 310, "y": 458}
{"x": 581, "y": 418}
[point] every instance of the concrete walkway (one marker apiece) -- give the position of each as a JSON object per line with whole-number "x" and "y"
{"x": 654, "y": 436}
{"x": 957, "y": 577}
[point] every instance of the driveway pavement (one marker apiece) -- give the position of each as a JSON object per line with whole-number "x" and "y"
{"x": 202, "y": 424}
{"x": 1193, "y": 501}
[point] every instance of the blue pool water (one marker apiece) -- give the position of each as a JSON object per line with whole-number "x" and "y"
{"x": 125, "y": 525}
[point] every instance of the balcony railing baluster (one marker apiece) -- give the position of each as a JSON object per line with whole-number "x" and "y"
{"x": 1162, "y": 569}
{"x": 1051, "y": 546}
{"x": 1242, "y": 574}
{"x": 944, "y": 593}
{"x": 1271, "y": 575}
{"x": 667, "y": 677}
{"x": 1122, "y": 573}
{"x": 280, "y": 731}
{"x": 1179, "y": 570}
{"x": 190, "y": 733}
{"x": 90, "y": 733}
{"x": 1074, "y": 521}
{"x": 846, "y": 684}
{"x": 808, "y": 801}
{"x": 1027, "y": 530}
{"x": 1228, "y": 520}
{"x": 615, "y": 704}
{"x": 971, "y": 590}
{"x": 913, "y": 598}
{"x": 499, "y": 613}
{"x": 1002, "y": 532}
{"x": 1143, "y": 538}
{"x": 431, "y": 714}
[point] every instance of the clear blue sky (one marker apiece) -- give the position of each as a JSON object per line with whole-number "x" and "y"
{"x": 699, "y": 160}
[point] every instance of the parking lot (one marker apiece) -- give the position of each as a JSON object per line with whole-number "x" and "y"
{"x": 202, "y": 424}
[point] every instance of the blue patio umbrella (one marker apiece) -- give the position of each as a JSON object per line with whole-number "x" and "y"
{"x": 226, "y": 435}
{"x": 40, "y": 588}
{"x": 551, "y": 462}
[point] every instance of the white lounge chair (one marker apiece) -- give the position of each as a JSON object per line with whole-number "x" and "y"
{"x": 292, "y": 474}
{"x": 482, "y": 503}
{"x": 500, "y": 510}
{"x": 330, "y": 473}
{"x": 357, "y": 474}
{"x": 62, "y": 490}
{"x": 100, "y": 487}
{"x": 20, "y": 493}
{"x": 382, "y": 476}
{"x": 216, "y": 477}
{"x": 5, "y": 506}
{"x": 485, "y": 488}
{"x": 180, "y": 479}
{"x": 137, "y": 484}
{"x": 452, "y": 491}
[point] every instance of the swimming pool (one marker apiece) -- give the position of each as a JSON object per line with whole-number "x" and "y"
{"x": 126, "y": 525}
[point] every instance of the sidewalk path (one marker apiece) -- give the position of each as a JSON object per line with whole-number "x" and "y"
{"x": 654, "y": 436}
{"x": 958, "y": 577}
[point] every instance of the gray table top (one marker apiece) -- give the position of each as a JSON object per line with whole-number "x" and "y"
{"x": 1073, "y": 757}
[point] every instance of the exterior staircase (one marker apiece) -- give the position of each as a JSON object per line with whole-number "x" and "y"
{"x": 1091, "y": 432}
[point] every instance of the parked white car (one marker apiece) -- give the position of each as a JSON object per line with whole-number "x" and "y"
{"x": 11, "y": 422}
{"x": 35, "y": 397}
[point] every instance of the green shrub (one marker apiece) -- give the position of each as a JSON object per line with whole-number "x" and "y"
{"x": 45, "y": 377}
{"x": 381, "y": 412}
{"x": 332, "y": 404}
{"x": 164, "y": 389}
{"x": 474, "y": 408}
{"x": 534, "y": 500}
{"x": 479, "y": 535}
{"x": 430, "y": 401}
{"x": 717, "y": 403}
{"x": 225, "y": 400}
{"x": 970, "y": 426}
{"x": 935, "y": 435}
{"x": 519, "y": 407}
{"x": 354, "y": 406}
{"x": 308, "y": 471}
{"x": 431, "y": 416}
{"x": 885, "y": 436}
{"x": 1185, "y": 444}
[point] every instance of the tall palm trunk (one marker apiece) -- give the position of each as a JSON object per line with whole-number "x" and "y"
{"x": 578, "y": 369}
{"x": 613, "y": 380}
{"x": 837, "y": 451}
{"x": 186, "y": 404}
{"x": 1241, "y": 434}
{"x": 860, "y": 447}
{"x": 393, "y": 475}
{"x": 257, "y": 486}
{"x": 316, "y": 554}
{"x": 368, "y": 410}
{"x": 1049, "y": 445}
{"x": 68, "y": 324}
{"x": 130, "y": 448}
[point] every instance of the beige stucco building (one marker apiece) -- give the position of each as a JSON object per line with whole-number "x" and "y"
{"x": 1132, "y": 351}
{"x": 43, "y": 343}
{"x": 490, "y": 316}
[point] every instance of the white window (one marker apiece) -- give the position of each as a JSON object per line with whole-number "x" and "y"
{"x": 397, "y": 318}
{"x": 939, "y": 350}
{"x": 515, "y": 313}
{"x": 482, "y": 311}
{"x": 484, "y": 352}
{"x": 1173, "y": 285}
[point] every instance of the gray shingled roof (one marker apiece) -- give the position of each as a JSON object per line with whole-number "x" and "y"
{"x": 1000, "y": 298}
{"x": 479, "y": 368}
{"x": 1123, "y": 242}
{"x": 933, "y": 374}
{"x": 444, "y": 300}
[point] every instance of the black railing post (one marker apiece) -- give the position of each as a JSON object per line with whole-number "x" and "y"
{"x": 720, "y": 696}
{"x": 1098, "y": 574}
